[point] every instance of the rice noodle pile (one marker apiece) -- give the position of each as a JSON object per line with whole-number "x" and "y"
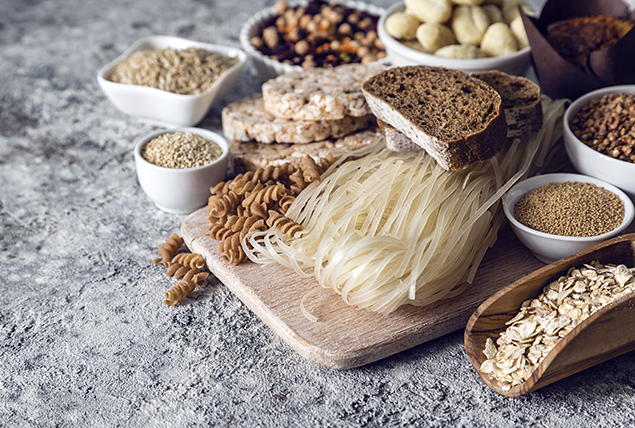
{"x": 384, "y": 228}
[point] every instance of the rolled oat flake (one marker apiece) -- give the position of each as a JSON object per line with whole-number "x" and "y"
{"x": 180, "y": 150}
{"x": 570, "y": 208}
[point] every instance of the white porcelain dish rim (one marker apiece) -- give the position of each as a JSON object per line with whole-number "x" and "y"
{"x": 521, "y": 188}
{"x": 162, "y": 42}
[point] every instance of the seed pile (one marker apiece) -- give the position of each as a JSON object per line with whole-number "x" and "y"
{"x": 180, "y": 150}
{"x": 188, "y": 71}
{"x": 542, "y": 322}
{"x": 570, "y": 209}
{"x": 608, "y": 125}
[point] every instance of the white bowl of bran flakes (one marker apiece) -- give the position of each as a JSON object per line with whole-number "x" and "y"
{"x": 163, "y": 107}
{"x": 549, "y": 247}
{"x": 177, "y": 174}
{"x": 587, "y": 160}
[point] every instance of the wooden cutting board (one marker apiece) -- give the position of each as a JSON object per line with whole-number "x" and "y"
{"x": 345, "y": 336}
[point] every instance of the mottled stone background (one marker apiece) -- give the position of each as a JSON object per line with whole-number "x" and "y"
{"x": 84, "y": 338}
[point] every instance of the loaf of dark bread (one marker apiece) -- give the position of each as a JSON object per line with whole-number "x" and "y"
{"x": 521, "y": 101}
{"x": 457, "y": 118}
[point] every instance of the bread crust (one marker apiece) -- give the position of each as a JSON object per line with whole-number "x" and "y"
{"x": 454, "y": 117}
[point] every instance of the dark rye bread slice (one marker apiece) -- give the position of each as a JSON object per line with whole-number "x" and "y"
{"x": 521, "y": 101}
{"x": 456, "y": 118}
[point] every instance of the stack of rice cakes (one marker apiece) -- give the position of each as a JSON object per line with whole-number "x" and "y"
{"x": 314, "y": 112}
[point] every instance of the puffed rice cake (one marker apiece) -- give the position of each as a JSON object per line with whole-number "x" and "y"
{"x": 320, "y": 93}
{"x": 248, "y": 120}
{"x": 250, "y": 156}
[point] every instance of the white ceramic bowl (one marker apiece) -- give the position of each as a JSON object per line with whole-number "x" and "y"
{"x": 549, "y": 248}
{"x": 269, "y": 68}
{"x": 162, "y": 107}
{"x": 180, "y": 190}
{"x": 400, "y": 54}
{"x": 591, "y": 162}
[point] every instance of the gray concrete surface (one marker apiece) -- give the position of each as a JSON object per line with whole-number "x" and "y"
{"x": 84, "y": 338}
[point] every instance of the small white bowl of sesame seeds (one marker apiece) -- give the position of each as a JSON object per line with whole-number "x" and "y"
{"x": 557, "y": 215}
{"x": 177, "y": 168}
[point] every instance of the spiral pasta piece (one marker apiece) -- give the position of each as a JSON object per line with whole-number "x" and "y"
{"x": 178, "y": 270}
{"x": 217, "y": 231}
{"x": 168, "y": 249}
{"x": 268, "y": 195}
{"x": 179, "y": 292}
{"x": 242, "y": 186}
{"x": 237, "y": 223}
{"x": 298, "y": 182}
{"x": 283, "y": 223}
{"x": 232, "y": 250}
{"x": 225, "y": 204}
{"x": 285, "y": 202}
{"x": 311, "y": 171}
{"x": 193, "y": 260}
{"x": 183, "y": 272}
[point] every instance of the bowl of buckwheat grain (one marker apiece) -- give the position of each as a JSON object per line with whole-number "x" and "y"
{"x": 176, "y": 168}
{"x": 466, "y": 36}
{"x": 295, "y": 35}
{"x": 170, "y": 81}
{"x": 599, "y": 135}
{"x": 557, "y": 215}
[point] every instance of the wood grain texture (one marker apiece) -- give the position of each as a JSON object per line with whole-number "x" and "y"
{"x": 604, "y": 335}
{"x": 345, "y": 336}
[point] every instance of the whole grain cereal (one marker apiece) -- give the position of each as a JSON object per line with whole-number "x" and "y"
{"x": 180, "y": 150}
{"x": 607, "y": 125}
{"x": 570, "y": 208}
{"x": 188, "y": 71}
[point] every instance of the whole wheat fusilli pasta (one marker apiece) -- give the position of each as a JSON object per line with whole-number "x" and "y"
{"x": 246, "y": 203}
{"x": 168, "y": 249}
{"x": 193, "y": 260}
{"x": 179, "y": 292}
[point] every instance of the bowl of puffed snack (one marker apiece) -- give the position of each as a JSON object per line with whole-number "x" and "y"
{"x": 176, "y": 168}
{"x": 295, "y": 35}
{"x": 476, "y": 35}
{"x": 170, "y": 81}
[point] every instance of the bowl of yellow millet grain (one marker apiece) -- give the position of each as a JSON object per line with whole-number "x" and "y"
{"x": 557, "y": 215}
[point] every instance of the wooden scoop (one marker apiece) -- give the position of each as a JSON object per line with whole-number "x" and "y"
{"x": 606, "y": 334}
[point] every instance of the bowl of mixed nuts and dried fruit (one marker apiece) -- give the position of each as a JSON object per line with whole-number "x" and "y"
{"x": 169, "y": 80}
{"x": 557, "y": 215}
{"x": 470, "y": 36}
{"x": 292, "y": 36}
{"x": 599, "y": 135}
{"x": 177, "y": 168}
